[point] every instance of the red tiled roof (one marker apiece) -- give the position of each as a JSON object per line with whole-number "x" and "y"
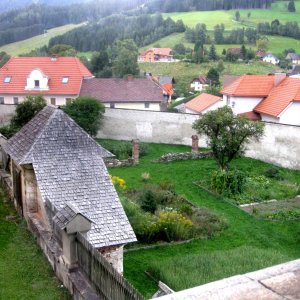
{"x": 19, "y": 69}
{"x": 161, "y": 51}
{"x": 250, "y": 85}
{"x": 234, "y": 50}
{"x": 280, "y": 97}
{"x": 202, "y": 102}
{"x": 122, "y": 90}
{"x": 251, "y": 115}
{"x": 168, "y": 87}
{"x": 202, "y": 79}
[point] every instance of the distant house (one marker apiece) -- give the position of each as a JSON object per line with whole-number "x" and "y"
{"x": 295, "y": 72}
{"x": 234, "y": 51}
{"x": 58, "y": 174}
{"x": 294, "y": 58}
{"x": 270, "y": 58}
{"x": 260, "y": 53}
{"x": 130, "y": 93}
{"x": 276, "y": 98}
{"x": 199, "y": 83}
{"x": 58, "y": 79}
{"x": 203, "y": 103}
{"x": 156, "y": 55}
{"x": 166, "y": 82}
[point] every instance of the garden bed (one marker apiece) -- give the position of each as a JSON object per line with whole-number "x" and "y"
{"x": 158, "y": 214}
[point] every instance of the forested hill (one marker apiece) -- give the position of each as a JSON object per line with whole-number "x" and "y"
{"x": 27, "y": 22}
{"x": 190, "y": 5}
{"x": 143, "y": 29}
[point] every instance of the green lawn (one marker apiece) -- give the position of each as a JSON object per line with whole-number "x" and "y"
{"x": 38, "y": 41}
{"x": 25, "y": 272}
{"x": 184, "y": 72}
{"x": 212, "y": 18}
{"x": 247, "y": 244}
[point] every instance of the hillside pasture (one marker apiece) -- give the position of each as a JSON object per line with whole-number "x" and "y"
{"x": 227, "y": 17}
{"x": 25, "y": 46}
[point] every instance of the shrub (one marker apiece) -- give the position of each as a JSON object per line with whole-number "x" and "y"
{"x": 148, "y": 201}
{"x": 228, "y": 182}
{"x": 174, "y": 226}
{"x": 118, "y": 182}
{"x": 273, "y": 173}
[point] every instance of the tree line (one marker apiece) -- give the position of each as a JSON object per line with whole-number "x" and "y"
{"x": 143, "y": 29}
{"x": 191, "y": 5}
{"x": 290, "y": 29}
{"x": 23, "y": 23}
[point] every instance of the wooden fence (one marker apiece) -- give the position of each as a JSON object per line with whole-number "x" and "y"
{"x": 105, "y": 279}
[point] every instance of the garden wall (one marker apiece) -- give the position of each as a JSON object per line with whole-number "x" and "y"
{"x": 280, "y": 144}
{"x": 6, "y": 113}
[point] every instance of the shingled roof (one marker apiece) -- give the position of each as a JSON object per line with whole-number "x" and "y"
{"x": 69, "y": 169}
{"x": 122, "y": 90}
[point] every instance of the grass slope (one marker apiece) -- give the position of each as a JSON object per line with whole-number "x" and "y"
{"x": 184, "y": 72}
{"x": 25, "y": 46}
{"x": 246, "y": 245}
{"x": 227, "y": 17}
{"x": 25, "y": 272}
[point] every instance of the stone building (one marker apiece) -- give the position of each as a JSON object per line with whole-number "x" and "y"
{"x": 58, "y": 174}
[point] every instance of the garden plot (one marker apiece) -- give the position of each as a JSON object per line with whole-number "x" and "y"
{"x": 284, "y": 210}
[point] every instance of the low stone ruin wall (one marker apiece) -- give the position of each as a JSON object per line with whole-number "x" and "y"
{"x": 183, "y": 156}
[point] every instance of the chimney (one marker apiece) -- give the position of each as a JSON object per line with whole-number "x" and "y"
{"x": 130, "y": 77}
{"x": 278, "y": 78}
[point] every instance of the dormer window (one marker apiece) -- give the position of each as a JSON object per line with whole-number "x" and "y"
{"x": 36, "y": 84}
{"x": 7, "y": 79}
{"x": 65, "y": 80}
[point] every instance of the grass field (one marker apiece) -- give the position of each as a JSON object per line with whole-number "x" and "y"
{"x": 25, "y": 272}
{"x": 212, "y": 18}
{"x": 25, "y": 46}
{"x": 247, "y": 244}
{"x": 184, "y": 72}
{"x": 276, "y": 45}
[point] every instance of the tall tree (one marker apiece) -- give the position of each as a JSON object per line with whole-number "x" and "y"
{"x": 237, "y": 15}
{"x": 213, "y": 77}
{"x": 87, "y": 112}
{"x": 227, "y": 134}
{"x": 212, "y": 54}
{"x": 291, "y": 6}
{"x": 125, "y": 61}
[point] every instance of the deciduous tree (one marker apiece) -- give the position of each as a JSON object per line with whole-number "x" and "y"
{"x": 227, "y": 134}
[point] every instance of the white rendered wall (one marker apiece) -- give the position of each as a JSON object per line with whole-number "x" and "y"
{"x": 141, "y": 106}
{"x": 291, "y": 115}
{"x": 241, "y": 104}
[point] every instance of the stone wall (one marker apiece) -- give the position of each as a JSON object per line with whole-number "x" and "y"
{"x": 280, "y": 144}
{"x": 6, "y": 113}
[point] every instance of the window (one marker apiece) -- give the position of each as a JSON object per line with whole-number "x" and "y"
{"x": 147, "y": 105}
{"x": 228, "y": 100}
{"x": 53, "y": 101}
{"x": 1, "y": 100}
{"x": 36, "y": 83}
{"x": 233, "y": 104}
{"x": 16, "y": 100}
{"x": 7, "y": 79}
{"x": 112, "y": 105}
{"x": 68, "y": 100}
{"x": 65, "y": 79}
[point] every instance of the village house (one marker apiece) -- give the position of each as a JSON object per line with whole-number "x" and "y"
{"x": 270, "y": 58}
{"x": 276, "y": 98}
{"x": 295, "y": 73}
{"x": 58, "y": 79}
{"x": 129, "y": 93}
{"x": 294, "y": 58}
{"x": 59, "y": 175}
{"x": 156, "y": 55}
{"x": 203, "y": 104}
{"x": 199, "y": 83}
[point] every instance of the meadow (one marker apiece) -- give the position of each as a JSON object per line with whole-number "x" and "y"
{"x": 25, "y": 46}
{"x": 184, "y": 72}
{"x": 245, "y": 245}
{"x": 25, "y": 271}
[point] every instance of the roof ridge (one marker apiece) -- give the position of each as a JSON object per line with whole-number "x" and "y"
{"x": 38, "y": 137}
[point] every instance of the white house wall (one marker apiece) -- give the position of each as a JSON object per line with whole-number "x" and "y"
{"x": 139, "y": 106}
{"x": 241, "y": 104}
{"x": 267, "y": 118}
{"x": 291, "y": 115}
